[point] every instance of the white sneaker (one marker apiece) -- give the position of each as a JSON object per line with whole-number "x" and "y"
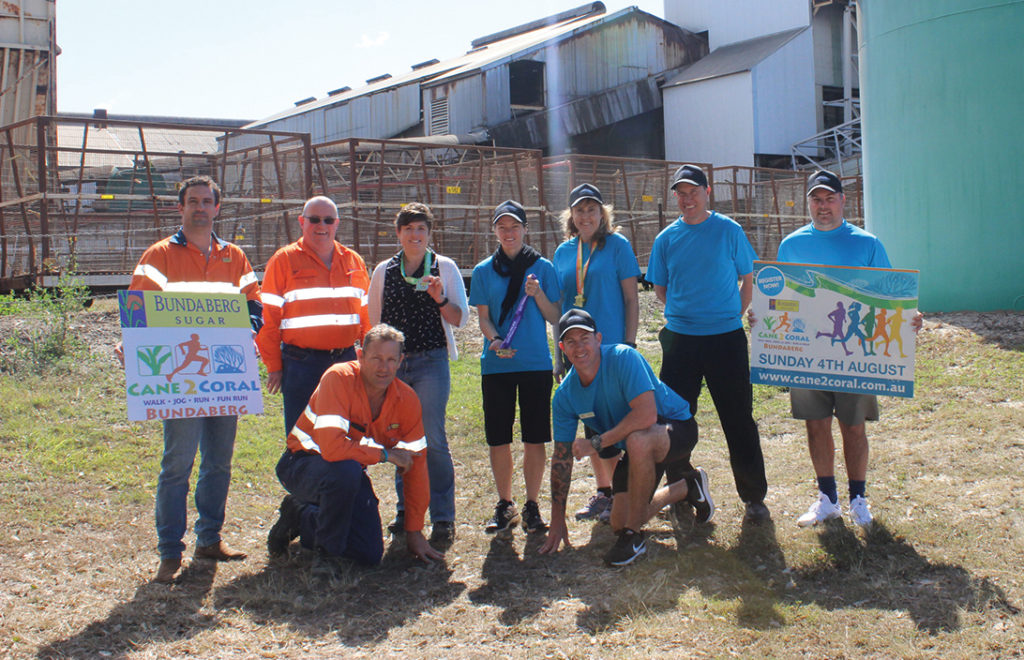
{"x": 860, "y": 511}
{"x": 820, "y": 511}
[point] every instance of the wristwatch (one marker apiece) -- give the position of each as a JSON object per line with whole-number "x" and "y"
{"x": 595, "y": 442}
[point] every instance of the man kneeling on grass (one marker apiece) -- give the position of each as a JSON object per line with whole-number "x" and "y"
{"x": 360, "y": 414}
{"x": 613, "y": 390}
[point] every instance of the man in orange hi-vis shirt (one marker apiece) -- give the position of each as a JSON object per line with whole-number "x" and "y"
{"x": 359, "y": 415}
{"x": 196, "y": 260}
{"x": 315, "y": 308}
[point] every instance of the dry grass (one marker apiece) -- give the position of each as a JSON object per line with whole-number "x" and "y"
{"x": 938, "y": 577}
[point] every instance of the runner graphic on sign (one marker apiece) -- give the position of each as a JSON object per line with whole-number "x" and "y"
{"x": 191, "y": 349}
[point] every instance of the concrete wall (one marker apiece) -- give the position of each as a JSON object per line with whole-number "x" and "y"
{"x": 784, "y": 97}
{"x": 711, "y": 121}
{"x": 729, "y": 21}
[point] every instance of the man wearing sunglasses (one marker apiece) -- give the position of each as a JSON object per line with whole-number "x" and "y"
{"x": 314, "y": 308}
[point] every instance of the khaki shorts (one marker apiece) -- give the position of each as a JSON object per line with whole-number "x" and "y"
{"x": 850, "y": 409}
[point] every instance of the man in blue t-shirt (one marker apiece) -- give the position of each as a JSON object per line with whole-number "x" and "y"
{"x": 695, "y": 265}
{"x": 613, "y": 391}
{"x": 831, "y": 241}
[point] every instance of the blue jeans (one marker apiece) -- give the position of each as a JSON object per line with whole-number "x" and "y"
{"x": 214, "y": 437}
{"x": 427, "y": 373}
{"x": 301, "y": 370}
{"x": 339, "y": 510}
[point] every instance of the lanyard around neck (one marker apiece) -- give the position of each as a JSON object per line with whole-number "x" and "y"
{"x": 581, "y": 271}
{"x": 418, "y": 281}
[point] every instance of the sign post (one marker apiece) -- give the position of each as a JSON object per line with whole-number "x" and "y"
{"x": 188, "y": 355}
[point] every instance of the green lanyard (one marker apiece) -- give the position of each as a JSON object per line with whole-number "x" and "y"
{"x": 418, "y": 281}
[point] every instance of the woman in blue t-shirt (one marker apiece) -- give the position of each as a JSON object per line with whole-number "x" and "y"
{"x": 598, "y": 272}
{"x": 515, "y": 291}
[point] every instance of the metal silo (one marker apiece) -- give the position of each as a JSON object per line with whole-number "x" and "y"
{"x": 942, "y": 97}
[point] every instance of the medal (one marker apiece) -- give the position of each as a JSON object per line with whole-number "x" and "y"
{"x": 581, "y": 272}
{"x": 418, "y": 282}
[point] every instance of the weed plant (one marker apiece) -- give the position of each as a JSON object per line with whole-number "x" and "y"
{"x": 44, "y": 338}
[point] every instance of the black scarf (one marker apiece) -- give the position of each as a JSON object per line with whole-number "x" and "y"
{"x": 515, "y": 270}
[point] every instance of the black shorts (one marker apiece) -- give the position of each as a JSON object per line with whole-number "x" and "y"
{"x": 682, "y": 436}
{"x": 499, "y": 397}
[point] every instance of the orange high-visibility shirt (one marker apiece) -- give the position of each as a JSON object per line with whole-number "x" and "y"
{"x": 173, "y": 264}
{"x": 338, "y": 425}
{"x": 308, "y": 305}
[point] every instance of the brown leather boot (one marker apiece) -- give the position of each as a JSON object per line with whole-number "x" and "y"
{"x": 219, "y": 551}
{"x": 168, "y": 570}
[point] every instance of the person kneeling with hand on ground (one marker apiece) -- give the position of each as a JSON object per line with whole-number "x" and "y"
{"x": 360, "y": 414}
{"x": 614, "y": 391}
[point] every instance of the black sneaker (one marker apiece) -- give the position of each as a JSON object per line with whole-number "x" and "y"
{"x": 700, "y": 495}
{"x": 629, "y": 546}
{"x": 286, "y": 529}
{"x": 505, "y": 517}
{"x": 397, "y": 526}
{"x": 442, "y": 532}
{"x": 757, "y": 513}
{"x": 532, "y": 520}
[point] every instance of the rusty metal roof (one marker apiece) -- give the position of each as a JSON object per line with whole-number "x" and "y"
{"x": 473, "y": 60}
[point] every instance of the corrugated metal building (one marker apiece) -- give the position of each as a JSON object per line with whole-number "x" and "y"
{"x": 27, "y": 66}
{"x": 580, "y": 81}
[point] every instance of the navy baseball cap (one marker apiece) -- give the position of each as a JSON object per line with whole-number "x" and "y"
{"x": 689, "y": 174}
{"x": 511, "y": 208}
{"x": 584, "y": 191}
{"x": 575, "y": 318}
{"x": 824, "y": 179}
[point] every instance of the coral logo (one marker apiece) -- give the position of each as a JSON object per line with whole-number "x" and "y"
{"x": 770, "y": 281}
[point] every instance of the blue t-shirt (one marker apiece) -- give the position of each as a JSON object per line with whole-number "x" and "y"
{"x": 699, "y": 265}
{"x": 845, "y": 245}
{"x": 623, "y": 375}
{"x": 531, "y": 339}
{"x": 603, "y": 287}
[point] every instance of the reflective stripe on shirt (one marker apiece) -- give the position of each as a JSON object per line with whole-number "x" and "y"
{"x": 319, "y": 320}
{"x": 314, "y": 293}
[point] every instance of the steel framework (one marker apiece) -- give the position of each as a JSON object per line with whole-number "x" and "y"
{"x": 92, "y": 194}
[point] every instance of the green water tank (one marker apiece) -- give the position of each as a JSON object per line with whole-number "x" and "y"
{"x": 942, "y": 101}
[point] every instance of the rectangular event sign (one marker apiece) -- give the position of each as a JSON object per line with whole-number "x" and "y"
{"x": 834, "y": 328}
{"x": 188, "y": 355}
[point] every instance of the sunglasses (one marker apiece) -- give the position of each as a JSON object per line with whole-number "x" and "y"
{"x": 315, "y": 220}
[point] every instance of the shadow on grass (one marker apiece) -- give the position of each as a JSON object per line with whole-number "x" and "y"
{"x": 886, "y": 572}
{"x": 157, "y": 613}
{"x": 878, "y": 571}
{"x": 360, "y": 604}
{"x": 521, "y": 585}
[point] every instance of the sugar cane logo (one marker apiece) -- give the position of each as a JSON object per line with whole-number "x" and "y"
{"x": 133, "y": 309}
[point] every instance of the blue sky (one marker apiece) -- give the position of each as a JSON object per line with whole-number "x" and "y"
{"x": 248, "y": 59}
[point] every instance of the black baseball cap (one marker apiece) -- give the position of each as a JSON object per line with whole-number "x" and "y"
{"x": 510, "y": 208}
{"x": 824, "y": 179}
{"x": 582, "y": 192}
{"x": 689, "y": 174}
{"x": 575, "y": 318}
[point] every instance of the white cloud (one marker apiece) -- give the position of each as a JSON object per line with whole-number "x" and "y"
{"x": 366, "y": 41}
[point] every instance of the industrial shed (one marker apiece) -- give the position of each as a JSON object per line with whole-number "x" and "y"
{"x": 582, "y": 81}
